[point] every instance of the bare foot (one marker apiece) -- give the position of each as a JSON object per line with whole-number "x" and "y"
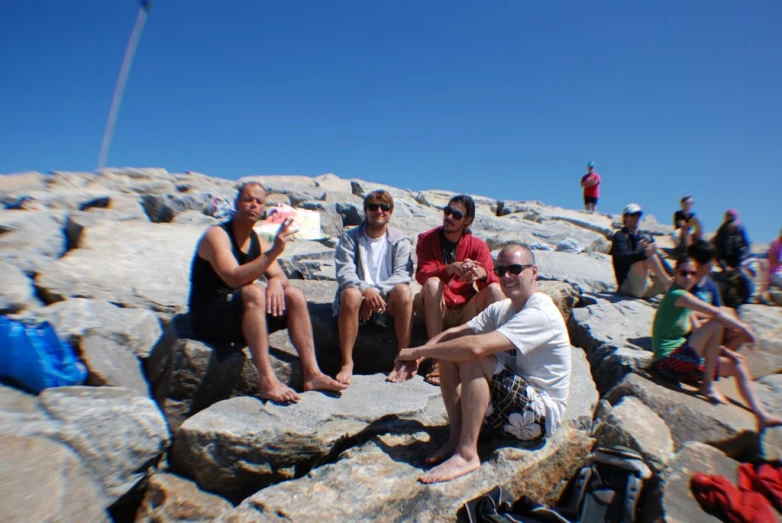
{"x": 451, "y": 469}
{"x": 714, "y": 396}
{"x": 442, "y": 453}
{"x": 278, "y": 392}
{"x": 768, "y": 421}
{"x": 403, "y": 371}
{"x": 345, "y": 374}
{"x": 322, "y": 382}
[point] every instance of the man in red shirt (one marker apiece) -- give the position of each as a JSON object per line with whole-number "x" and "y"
{"x": 456, "y": 271}
{"x": 591, "y": 184}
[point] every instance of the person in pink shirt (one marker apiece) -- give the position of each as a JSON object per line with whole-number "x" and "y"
{"x": 591, "y": 184}
{"x": 774, "y": 269}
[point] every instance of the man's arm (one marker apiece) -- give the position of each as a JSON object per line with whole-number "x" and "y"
{"x": 215, "y": 247}
{"x": 345, "y": 265}
{"x": 622, "y": 253}
{"x": 428, "y": 266}
{"x": 465, "y": 347}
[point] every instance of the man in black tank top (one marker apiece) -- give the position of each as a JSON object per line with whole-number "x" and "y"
{"x": 227, "y": 305}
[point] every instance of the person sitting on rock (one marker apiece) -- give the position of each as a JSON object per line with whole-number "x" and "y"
{"x": 731, "y": 242}
{"x": 227, "y": 305}
{"x": 374, "y": 270}
{"x": 688, "y": 349}
{"x": 703, "y": 254}
{"x": 509, "y": 367}
{"x": 638, "y": 268}
{"x": 773, "y": 270}
{"x": 455, "y": 270}
{"x": 687, "y": 226}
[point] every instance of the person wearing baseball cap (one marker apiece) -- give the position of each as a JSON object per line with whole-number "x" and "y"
{"x": 591, "y": 184}
{"x": 638, "y": 268}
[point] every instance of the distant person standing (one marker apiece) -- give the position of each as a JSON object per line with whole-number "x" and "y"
{"x": 591, "y": 184}
{"x": 687, "y": 226}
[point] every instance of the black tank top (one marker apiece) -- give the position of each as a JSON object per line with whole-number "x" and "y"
{"x": 205, "y": 284}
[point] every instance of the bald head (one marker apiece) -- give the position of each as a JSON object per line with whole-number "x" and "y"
{"x": 249, "y": 185}
{"x": 527, "y": 256}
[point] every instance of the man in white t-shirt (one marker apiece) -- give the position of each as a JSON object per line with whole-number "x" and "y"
{"x": 509, "y": 366}
{"x": 374, "y": 270}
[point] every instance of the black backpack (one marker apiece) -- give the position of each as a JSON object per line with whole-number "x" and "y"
{"x": 606, "y": 490}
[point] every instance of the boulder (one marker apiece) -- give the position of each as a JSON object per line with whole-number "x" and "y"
{"x": 118, "y": 434}
{"x": 196, "y": 219}
{"x": 632, "y": 424}
{"x": 691, "y": 418}
{"x": 387, "y": 468}
{"x": 240, "y": 445}
{"x": 134, "y": 330}
{"x": 112, "y": 364}
{"x": 165, "y": 207}
{"x": 766, "y": 358}
{"x": 672, "y": 500}
{"x": 109, "y": 261}
{"x": 16, "y": 289}
{"x": 20, "y": 182}
{"x": 769, "y": 388}
{"x": 587, "y": 271}
{"x": 169, "y": 498}
{"x": 31, "y": 240}
{"x": 41, "y": 480}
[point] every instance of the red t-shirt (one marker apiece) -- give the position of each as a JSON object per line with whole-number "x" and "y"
{"x": 594, "y": 190}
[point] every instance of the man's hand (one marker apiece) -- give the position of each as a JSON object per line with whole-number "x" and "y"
{"x": 456, "y": 269}
{"x": 374, "y": 300}
{"x": 403, "y": 371}
{"x": 284, "y": 235}
{"x": 474, "y": 271}
{"x": 275, "y": 298}
{"x": 747, "y": 330}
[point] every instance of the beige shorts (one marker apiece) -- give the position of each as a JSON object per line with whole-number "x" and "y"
{"x": 451, "y": 317}
{"x": 638, "y": 286}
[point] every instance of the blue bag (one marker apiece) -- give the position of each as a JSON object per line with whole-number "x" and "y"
{"x": 33, "y": 356}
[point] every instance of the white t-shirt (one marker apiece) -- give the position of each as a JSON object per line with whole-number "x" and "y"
{"x": 542, "y": 348}
{"x": 378, "y": 267}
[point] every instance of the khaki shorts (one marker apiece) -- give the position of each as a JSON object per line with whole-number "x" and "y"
{"x": 451, "y": 317}
{"x": 638, "y": 286}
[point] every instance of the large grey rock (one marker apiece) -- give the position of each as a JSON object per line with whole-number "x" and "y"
{"x": 41, "y": 480}
{"x": 240, "y": 445}
{"x": 546, "y": 232}
{"x": 169, "y": 498}
{"x": 31, "y": 240}
{"x": 632, "y": 424}
{"x": 137, "y": 330}
{"x": 19, "y": 182}
{"x": 769, "y": 388}
{"x": 117, "y": 434}
{"x": 165, "y": 207}
{"x": 588, "y": 271}
{"x": 21, "y": 415}
{"x": 386, "y": 469}
{"x": 766, "y": 358}
{"x": 112, "y": 364}
{"x": 134, "y": 264}
{"x": 672, "y": 500}
{"x": 16, "y": 289}
{"x": 691, "y": 418}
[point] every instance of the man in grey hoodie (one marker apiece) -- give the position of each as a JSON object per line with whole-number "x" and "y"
{"x": 374, "y": 270}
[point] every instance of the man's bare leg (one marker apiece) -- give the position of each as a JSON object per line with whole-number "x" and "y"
{"x": 254, "y": 331}
{"x": 400, "y": 308}
{"x": 475, "y": 377}
{"x": 432, "y": 296}
{"x": 706, "y": 340}
{"x": 655, "y": 265}
{"x": 734, "y": 338}
{"x": 450, "y": 387}
{"x": 300, "y": 332}
{"x": 349, "y": 305}
{"x": 488, "y": 295}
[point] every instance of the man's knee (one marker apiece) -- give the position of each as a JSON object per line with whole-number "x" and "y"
{"x": 432, "y": 287}
{"x": 294, "y": 296}
{"x": 402, "y": 295}
{"x": 253, "y": 295}
{"x": 350, "y": 298}
{"x": 495, "y": 291}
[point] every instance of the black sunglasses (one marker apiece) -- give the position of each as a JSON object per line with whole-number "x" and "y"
{"x": 453, "y": 212}
{"x": 376, "y": 206}
{"x": 514, "y": 269}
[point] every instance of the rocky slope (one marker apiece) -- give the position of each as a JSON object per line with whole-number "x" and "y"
{"x": 167, "y": 429}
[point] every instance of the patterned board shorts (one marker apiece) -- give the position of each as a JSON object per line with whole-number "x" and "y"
{"x": 684, "y": 364}
{"x": 515, "y": 408}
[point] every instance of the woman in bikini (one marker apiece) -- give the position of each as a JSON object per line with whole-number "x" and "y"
{"x": 688, "y": 350}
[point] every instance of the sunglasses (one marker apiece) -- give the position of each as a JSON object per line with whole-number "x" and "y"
{"x": 453, "y": 212}
{"x": 514, "y": 269}
{"x": 687, "y": 273}
{"x": 376, "y": 206}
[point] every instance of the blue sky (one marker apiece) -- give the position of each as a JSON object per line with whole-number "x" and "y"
{"x": 507, "y": 99}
